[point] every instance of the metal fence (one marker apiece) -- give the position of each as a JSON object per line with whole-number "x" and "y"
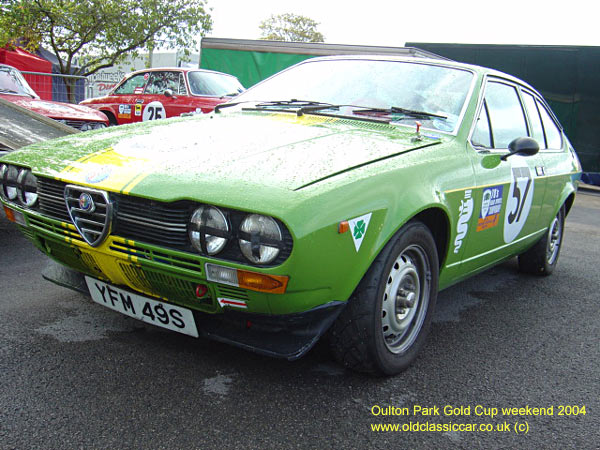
{"x": 54, "y": 86}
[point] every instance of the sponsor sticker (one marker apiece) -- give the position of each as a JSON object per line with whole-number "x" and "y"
{"x": 465, "y": 211}
{"x": 124, "y": 112}
{"x": 230, "y": 302}
{"x": 98, "y": 174}
{"x": 491, "y": 204}
{"x": 358, "y": 228}
{"x": 138, "y": 109}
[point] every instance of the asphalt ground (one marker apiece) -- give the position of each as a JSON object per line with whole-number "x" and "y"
{"x": 74, "y": 374}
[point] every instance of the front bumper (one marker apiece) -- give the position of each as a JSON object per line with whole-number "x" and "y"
{"x": 288, "y": 336}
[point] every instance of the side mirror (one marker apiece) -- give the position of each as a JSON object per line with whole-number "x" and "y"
{"x": 169, "y": 93}
{"x": 525, "y": 146}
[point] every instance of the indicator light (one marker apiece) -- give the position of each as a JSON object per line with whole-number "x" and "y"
{"x": 15, "y": 216}
{"x": 261, "y": 282}
{"x": 343, "y": 227}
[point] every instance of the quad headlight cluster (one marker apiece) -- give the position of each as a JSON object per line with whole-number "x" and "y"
{"x": 260, "y": 239}
{"x": 86, "y": 126}
{"x": 92, "y": 126}
{"x": 18, "y": 185}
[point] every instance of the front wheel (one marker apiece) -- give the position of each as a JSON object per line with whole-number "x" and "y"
{"x": 387, "y": 318}
{"x": 541, "y": 259}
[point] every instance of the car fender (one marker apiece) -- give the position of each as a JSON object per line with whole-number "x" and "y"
{"x": 343, "y": 261}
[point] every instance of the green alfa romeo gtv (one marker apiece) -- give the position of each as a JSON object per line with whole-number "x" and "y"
{"x": 335, "y": 198}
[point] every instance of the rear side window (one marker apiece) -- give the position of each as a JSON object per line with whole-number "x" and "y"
{"x": 553, "y": 136}
{"x": 505, "y": 113}
{"x": 134, "y": 85}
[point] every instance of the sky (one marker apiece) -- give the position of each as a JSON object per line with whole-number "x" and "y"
{"x": 393, "y": 23}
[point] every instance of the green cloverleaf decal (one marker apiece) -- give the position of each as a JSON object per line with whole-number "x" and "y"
{"x": 359, "y": 229}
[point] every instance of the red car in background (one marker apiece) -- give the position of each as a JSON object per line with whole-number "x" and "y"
{"x": 15, "y": 89}
{"x": 152, "y": 94}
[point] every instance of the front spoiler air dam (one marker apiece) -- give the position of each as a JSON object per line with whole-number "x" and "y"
{"x": 288, "y": 336}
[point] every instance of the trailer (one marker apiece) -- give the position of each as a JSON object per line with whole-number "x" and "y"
{"x": 567, "y": 76}
{"x": 252, "y": 60}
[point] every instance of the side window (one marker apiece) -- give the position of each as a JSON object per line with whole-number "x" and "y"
{"x": 134, "y": 85}
{"x": 553, "y": 136}
{"x": 537, "y": 130}
{"x": 482, "y": 136}
{"x": 182, "y": 90}
{"x": 505, "y": 113}
{"x": 161, "y": 81}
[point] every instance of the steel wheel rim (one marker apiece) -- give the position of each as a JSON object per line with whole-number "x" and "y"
{"x": 405, "y": 299}
{"x": 554, "y": 237}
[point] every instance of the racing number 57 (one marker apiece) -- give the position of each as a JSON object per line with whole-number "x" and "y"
{"x": 522, "y": 183}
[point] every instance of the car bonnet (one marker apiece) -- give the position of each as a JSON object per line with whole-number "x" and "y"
{"x": 57, "y": 110}
{"x": 164, "y": 159}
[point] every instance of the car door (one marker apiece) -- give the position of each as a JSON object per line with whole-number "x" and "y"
{"x": 159, "y": 105}
{"x": 509, "y": 192}
{"x": 553, "y": 148}
{"x": 126, "y": 96}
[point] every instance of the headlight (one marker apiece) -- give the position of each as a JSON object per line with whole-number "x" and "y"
{"x": 208, "y": 230}
{"x": 8, "y": 181}
{"x": 85, "y": 127}
{"x": 3, "y": 170}
{"x": 260, "y": 239}
{"x": 98, "y": 125}
{"x": 27, "y": 188}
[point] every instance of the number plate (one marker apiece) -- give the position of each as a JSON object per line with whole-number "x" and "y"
{"x": 151, "y": 311}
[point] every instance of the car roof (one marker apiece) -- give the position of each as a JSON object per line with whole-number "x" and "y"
{"x": 424, "y": 60}
{"x": 180, "y": 69}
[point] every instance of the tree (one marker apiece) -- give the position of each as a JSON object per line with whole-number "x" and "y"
{"x": 97, "y": 34}
{"x": 290, "y": 27}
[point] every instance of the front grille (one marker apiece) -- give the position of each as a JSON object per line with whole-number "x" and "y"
{"x": 79, "y": 124}
{"x": 90, "y": 211}
{"x": 153, "y": 222}
{"x": 51, "y": 195}
{"x": 170, "y": 287}
{"x": 181, "y": 261}
{"x": 143, "y": 220}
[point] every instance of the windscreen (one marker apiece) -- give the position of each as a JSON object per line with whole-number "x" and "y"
{"x": 434, "y": 89}
{"x": 12, "y": 82}
{"x": 213, "y": 84}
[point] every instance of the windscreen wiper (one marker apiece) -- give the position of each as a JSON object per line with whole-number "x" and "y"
{"x": 294, "y": 103}
{"x": 405, "y": 111}
{"x": 10, "y": 91}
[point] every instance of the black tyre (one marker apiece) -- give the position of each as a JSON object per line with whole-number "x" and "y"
{"x": 541, "y": 259}
{"x": 387, "y": 319}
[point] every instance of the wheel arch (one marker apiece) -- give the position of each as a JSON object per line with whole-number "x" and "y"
{"x": 111, "y": 117}
{"x": 438, "y": 222}
{"x": 569, "y": 203}
{"x": 566, "y": 199}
